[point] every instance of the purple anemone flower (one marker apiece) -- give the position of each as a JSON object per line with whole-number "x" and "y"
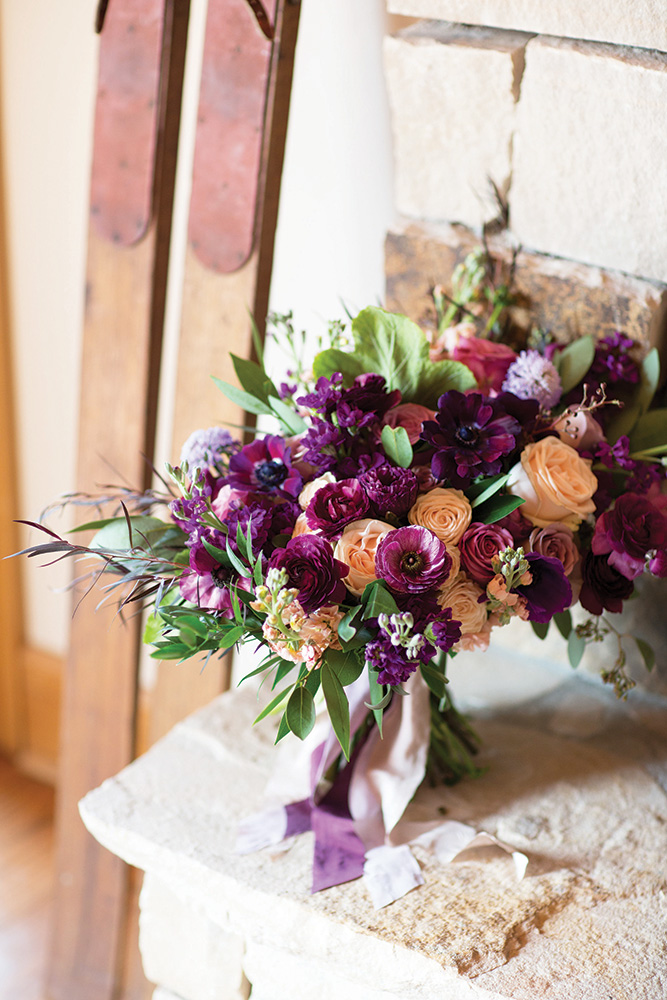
{"x": 264, "y": 466}
{"x": 208, "y": 585}
{"x": 549, "y": 591}
{"x": 470, "y": 436}
{"x": 412, "y": 559}
{"x": 390, "y": 490}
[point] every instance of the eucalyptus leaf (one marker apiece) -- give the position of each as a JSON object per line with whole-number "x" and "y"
{"x": 283, "y": 729}
{"x": 563, "y": 620}
{"x": 253, "y": 378}
{"x": 576, "y": 647}
{"x": 289, "y": 418}
{"x": 337, "y": 706}
{"x": 396, "y": 444}
{"x": 171, "y": 651}
{"x": 346, "y": 626}
{"x": 574, "y": 361}
{"x": 540, "y": 629}
{"x": 347, "y": 665}
{"x": 647, "y": 653}
{"x": 242, "y": 398}
{"x": 300, "y": 712}
{"x": 377, "y": 697}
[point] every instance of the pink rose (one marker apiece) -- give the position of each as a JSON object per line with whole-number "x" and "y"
{"x": 479, "y": 546}
{"x": 487, "y": 361}
{"x": 411, "y": 416}
{"x": 555, "y": 540}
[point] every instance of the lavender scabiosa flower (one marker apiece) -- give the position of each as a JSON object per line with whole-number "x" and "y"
{"x": 264, "y": 466}
{"x": 205, "y": 448}
{"x": 390, "y": 490}
{"x": 412, "y": 559}
{"x": 533, "y": 376}
{"x": 470, "y": 437}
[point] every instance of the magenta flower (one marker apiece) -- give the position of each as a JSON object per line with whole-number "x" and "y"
{"x": 390, "y": 490}
{"x": 264, "y": 466}
{"x": 412, "y": 559}
{"x": 629, "y": 532}
{"x": 309, "y": 563}
{"x": 470, "y": 436}
{"x": 336, "y": 505}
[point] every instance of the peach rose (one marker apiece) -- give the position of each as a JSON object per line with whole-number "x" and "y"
{"x": 411, "y": 416}
{"x": 556, "y": 483}
{"x": 462, "y": 596}
{"x": 301, "y": 527}
{"x": 311, "y": 488}
{"x": 579, "y": 429}
{"x": 555, "y": 540}
{"x": 356, "y": 547}
{"x": 445, "y": 512}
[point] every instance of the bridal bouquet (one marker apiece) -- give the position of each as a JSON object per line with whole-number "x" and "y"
{"x": 412, "y": 495}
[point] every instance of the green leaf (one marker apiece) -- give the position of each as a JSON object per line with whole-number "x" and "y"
{"x": 377, "y": 600}
{"x": 172, "y": 651}
{"x": 486, "y": 489}
{"x": 332, "y": 360}
{"x": 346, "y": 627}
{"x": 273, "y": 704}
{"x": 194, "y": 624}
{"x": 435, "y": 679}
{"x": 313, "y": 681}
{"x": 155, "y": 626}
{"x": 496, "y": 507}
{"x": 376, "y": 691}
{"x": 540, "y": 629}
{"x": 253, "y": 378}
{"x": 289, "y": 418}
{"x": 115, "y": 535}
{"x": 300, "y": 712}
{"x": 574, "y": 361}
{"x": 243, "y": 399}
{"x": 90, "y": 525}
{"x": 337, "y": 706}
{"x": 396, "y": 348}
{"x": 649, "y": 435}
{"x": 347, "y": 665}
{"x": 230, "y": 637}
{"x": 647, "y": 653}
{"x": 239, "y": 566}
{"x": 625, "y": 420}
{"x": 218, "y": 554}
{"x": 563, "y": 620}
{"x": 396, "y": 444}
{"x": 576, "y": 647}
{"x": 283, "y": 729}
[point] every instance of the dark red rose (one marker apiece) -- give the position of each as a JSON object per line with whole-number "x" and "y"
{"x": 603, "y": 588}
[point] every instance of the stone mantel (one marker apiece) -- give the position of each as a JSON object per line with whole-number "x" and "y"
{"x": 575, "y": 781}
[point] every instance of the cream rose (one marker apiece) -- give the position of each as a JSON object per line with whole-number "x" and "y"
{"x": 311, "y": 488}
{"x": 301, "y": 527}
{"x": 447, "y": 513}
{"x": 556, "y": 483}
{"x": 356, "y": 547}
{"x": 462, "y": 596}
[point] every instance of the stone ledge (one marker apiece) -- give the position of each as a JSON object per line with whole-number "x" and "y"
{"x": 586, "y": 923}
{"x": 560, "y": 295}
{"x": 641, "y": 22}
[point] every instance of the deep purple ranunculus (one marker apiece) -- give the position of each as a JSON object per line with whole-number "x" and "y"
{"x": 470, "y": 436}
{"x": 549, "y": 592}
{"x": 390, "y": 490}
{"x": 629, "y": 532}
{"x": 603, "y": 587}
{"x": 479, "y": 546}
{"x": 336, "y": 505}
{"x": 412, "y": 559}
{"x": 390, "y": 661}
{"x": 309, "y": 563}
{"x": 264, "y": 466}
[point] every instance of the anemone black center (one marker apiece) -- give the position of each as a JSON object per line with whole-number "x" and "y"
{"x": 466, "y": 435}
{"x": 220, "y": 577}
{"x": 412, "y": 562}
{"x": 271, "y": 473}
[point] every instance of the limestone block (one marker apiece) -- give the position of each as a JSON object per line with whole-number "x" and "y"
{"x": 452, "y": 92}
{"x": 162, "y": 994}
{"x": 589, "y": 156}
{"x": 184, "y": 951}
{"x": 589, "y": 808}
{"x": 641, "y": 22}
{"x": 567, "y": 298}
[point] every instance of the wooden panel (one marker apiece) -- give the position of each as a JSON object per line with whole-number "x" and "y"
{"x": 215, "y": 320}
{"x": 43, "y": 677}
{"x": 12, "y": 693}
{"x": 122, "y": 338}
